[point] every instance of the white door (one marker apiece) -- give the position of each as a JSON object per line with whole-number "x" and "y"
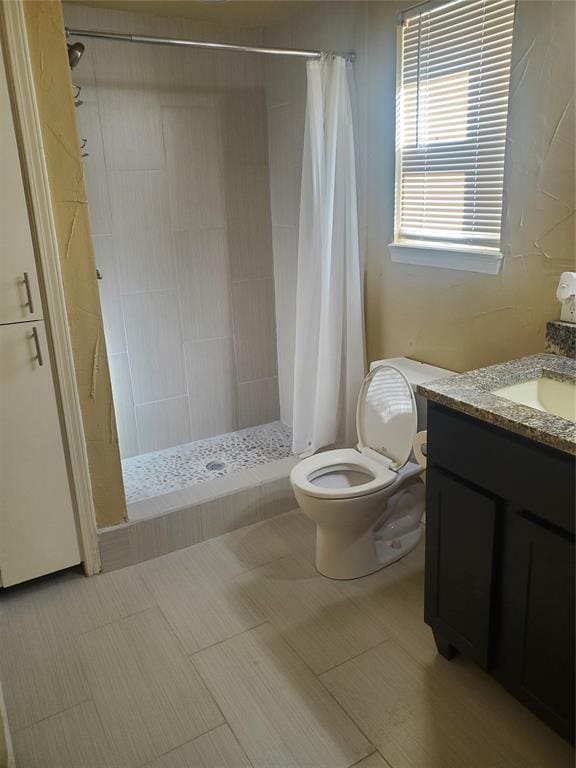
{"x": 19, "y": 294}
{"x": 37, "y": 524}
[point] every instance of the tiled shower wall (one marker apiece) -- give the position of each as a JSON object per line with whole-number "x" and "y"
{"x": 178, "y": 193}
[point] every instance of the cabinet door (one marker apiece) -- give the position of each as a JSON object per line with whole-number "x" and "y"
{"x": 460, "y": 525}
{"x": 536, "y": 654}
{"x": 19, "y": 294}
{"x": 37, "y": 524}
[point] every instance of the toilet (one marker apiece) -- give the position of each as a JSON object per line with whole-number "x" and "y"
{"x": 368, "y": 502}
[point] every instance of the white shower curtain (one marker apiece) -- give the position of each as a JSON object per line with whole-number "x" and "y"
{"x": 329, "y": 351}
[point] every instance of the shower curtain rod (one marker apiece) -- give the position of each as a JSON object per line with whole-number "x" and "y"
{"x": 200, "y": 44}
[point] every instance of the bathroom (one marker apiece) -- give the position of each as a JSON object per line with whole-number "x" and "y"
{"x": 168, "y": 188}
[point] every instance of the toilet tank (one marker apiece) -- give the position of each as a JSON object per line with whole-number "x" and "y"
{"x": 416, "y": 373}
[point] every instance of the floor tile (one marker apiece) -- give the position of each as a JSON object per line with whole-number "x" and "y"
{"x": 216, "y": 749}
{"x": 40, "y": 669}
{"x": 88, "y": 603}
{"x": 41, "y": 682}
{"x": 197, "y": 594}
{"x": 69, "y": 603}
{"x": 278, "y": 710}
{"x": 71, "y": 739}
{"x": 323, "y": 626}
{"x": 147, "y": 693}
{"x": 394, "y": 597}
{"x": 373, "y": 761}
{"x": 431, "y": 716}
{"x": 258, "y": 544}
{"x": 296, "y": 529}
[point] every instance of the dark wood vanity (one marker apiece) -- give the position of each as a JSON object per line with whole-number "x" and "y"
{"x": 500, "y": 558}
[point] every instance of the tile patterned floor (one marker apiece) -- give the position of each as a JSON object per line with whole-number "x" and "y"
{"x": 236, "y": 653}
{"x": 153, "y": 474}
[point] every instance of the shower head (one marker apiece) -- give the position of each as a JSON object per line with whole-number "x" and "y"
{"x": 75, "y": 51}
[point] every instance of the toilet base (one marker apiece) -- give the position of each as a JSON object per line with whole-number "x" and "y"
{"x": 394, "y": 549}
{"x": 357, "y": 549}
{"x": 365, "y": 557}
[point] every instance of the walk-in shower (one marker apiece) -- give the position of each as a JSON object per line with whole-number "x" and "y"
{"x": 177, "y": 168}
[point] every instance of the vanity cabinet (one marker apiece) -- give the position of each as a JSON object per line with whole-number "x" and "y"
{"x": 500, "y": 558}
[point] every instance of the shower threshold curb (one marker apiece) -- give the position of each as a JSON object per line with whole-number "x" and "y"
{"x": 181, "y": 518}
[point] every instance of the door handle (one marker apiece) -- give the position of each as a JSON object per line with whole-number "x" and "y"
{"x": 29, "y": 302}
{"x": 36, "y": 340}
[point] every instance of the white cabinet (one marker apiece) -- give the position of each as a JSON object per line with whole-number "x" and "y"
{"x": 37, "y": 527}
{"x": 19, "y": 294}
{"x": 37, "y": 522}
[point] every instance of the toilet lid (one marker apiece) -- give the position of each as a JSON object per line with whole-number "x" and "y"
{"x": 386, "y": 419}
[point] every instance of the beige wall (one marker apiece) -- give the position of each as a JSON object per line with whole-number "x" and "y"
{"x": 177, "y": 183}
{"x": 52, "y": 79}
{"x": 462, "y": 320}
{"x": 455, "y": 319}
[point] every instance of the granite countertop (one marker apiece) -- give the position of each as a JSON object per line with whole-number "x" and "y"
{"x": 561, "y": 338}
{"x": 471, "y": 393}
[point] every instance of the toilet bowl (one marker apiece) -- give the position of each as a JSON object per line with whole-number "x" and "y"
{"x": 367, "y": 502}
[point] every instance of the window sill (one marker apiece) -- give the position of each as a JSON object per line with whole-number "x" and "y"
{"x": 445, "y": 257}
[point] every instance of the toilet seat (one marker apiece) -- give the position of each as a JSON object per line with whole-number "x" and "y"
{"x": 386, "y": 423}
{"x": 346, "y": 459}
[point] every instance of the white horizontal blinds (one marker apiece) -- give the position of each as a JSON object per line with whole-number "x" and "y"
{"x": 453, "y": 105}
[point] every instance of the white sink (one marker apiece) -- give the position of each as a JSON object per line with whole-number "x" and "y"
{"x": 543, "y": 394}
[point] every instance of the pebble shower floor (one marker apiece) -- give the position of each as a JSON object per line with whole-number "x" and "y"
{"x": 172, "y": 469}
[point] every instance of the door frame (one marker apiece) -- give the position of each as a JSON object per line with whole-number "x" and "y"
{"x": 31, "y": 147}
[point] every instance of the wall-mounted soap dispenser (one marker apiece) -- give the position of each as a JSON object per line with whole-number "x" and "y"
{"x": 566, "y": 295}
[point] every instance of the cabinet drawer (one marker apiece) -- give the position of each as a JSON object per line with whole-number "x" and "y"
{"x": 524, "y": 472}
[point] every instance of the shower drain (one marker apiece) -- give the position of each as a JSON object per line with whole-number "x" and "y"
{"x": 215, "y": 466}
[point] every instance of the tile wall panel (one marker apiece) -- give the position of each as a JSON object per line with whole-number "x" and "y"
{"x": 258, "y": 402}
{"x": 147, "y": 262}
{"x": 195, "y": 166}
{"x": 162, "y": 424}
{"x": 254, "y": 329}
{"x": 211, "y": 376}
{"x": 249, "y": 226}
{"x": 129, "y": 107}
{"x": 203, "y": 271}
{"x": 155, "y": 345}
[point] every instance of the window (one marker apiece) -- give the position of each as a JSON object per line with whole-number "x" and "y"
{"x": 452, "y": 109}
